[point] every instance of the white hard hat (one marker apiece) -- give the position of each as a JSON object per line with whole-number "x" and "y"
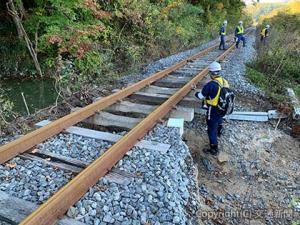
{"x": 214, "y": 67}
{"x": 240, "y": 22}
{"x": 225, "y": 22}
{"x": 268, "y": 26}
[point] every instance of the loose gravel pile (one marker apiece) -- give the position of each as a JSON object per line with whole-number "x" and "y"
{"x": 159, "y": 192}
{"x": 234, "y": 68}
{"x": 31, "y": 180}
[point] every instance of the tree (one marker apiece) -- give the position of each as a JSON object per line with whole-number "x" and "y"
{"x": 22, "y": 33}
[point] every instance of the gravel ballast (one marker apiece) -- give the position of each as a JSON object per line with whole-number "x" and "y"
{"x": 75, "y": 146}
{"x": 31, "y": 180}
{"x": 161, "y": 188}
{"x": 234, "y": 68}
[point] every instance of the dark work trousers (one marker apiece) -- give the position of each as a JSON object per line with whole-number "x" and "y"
{"x": 214, "y": 120}
{"x": 222, "y": 42}
{"x": 263, "y": 39}
{"x": 240, "y": 37}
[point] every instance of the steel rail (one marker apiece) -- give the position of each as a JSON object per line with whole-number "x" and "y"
{"x": 68, "y": 195}
{"x": 37, "y": 136}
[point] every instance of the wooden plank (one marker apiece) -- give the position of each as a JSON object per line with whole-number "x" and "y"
{"x": 189, "y": 70}
{"x": 110, "y": 120}
{"x": 115, "y": 176}
{"x": 68, "y": 160}
{"x": 13, "y": 210}
{"x": 125, "y": 106}
{"x": 60, "y": 165}
{"x": 109, "y": 137}
{"x": 160, "y": 98}
{"x": 159, "y": 90}
{"x": 178, "y": 83}
{"x": 167, "y": 91}
{"x": 170, "y": 83}
{"x": 186, "y": 73}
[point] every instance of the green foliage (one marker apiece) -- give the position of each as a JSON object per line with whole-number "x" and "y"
{"x": 5, "y": 110}
{"x": 259, "y": 10}
{"x": 278, "y": 61}
{"x": 98, "y": 36}
{"x": 274, "y": 88}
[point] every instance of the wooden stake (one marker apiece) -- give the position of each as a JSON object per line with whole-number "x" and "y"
{"x": 25, "y": 103}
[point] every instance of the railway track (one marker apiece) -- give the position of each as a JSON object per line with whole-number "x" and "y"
{"x": 161, "y": 95}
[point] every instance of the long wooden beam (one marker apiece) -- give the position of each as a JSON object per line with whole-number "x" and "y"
{"x": 59, "y": 203}
{"x": 28, "y": 141}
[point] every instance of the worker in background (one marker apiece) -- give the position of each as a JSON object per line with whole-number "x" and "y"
{"x": 239, "y": 35}
{"x": 210, "y": 94}
{"x": 264, "y": 34}
{"x": 222, "y": 35}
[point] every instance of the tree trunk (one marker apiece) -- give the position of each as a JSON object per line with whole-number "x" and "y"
{"x": 22, "y": 34}
{"x": 22, "y": 10}
{"x": 11, "y": 8}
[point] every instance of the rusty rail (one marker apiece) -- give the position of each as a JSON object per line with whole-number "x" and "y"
{"x": 60, "y": 202}
{"x": 28, "y": 141}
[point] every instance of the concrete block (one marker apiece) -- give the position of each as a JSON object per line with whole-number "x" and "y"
{"x": 176, "y": 122}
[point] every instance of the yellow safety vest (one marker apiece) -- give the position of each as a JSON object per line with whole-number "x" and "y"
{"x": 263, "y": 32}
{"x": 215, "y": 100}
{"x": 240, "y": 30}
{"x": 223, "y": 33}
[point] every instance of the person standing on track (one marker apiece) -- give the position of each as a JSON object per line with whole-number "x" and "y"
{"x": 239, "y": 35}
{"x": 210, "y": 94}
{"x": 222, "y": 35}
{"x": 264, "y": 34}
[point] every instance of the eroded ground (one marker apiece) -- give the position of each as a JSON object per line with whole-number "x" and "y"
{"x": 260, "y": 177}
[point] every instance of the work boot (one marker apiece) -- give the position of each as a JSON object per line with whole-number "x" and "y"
{"x": 213, "y": 149}
{"x": 220, "y": 130}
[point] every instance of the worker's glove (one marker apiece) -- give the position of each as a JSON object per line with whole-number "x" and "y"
{"x": 204, "y": 105}
{"x": 199, "y": 95}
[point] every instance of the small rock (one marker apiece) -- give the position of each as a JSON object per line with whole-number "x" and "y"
{"x": 176, "y": 220}
{"x": 223, "y": 157}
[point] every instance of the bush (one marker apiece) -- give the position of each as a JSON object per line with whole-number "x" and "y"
{"x": 5, "y": 111}
{"x": 278, "y": 61}
{"x": 98, "y": 36}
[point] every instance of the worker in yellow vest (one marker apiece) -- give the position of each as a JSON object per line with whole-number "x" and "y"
{"x": 210, "y": 94}
{"x": 239, "y": 35}
{"x": 264, "y": 34}
{"x": 222, "y": 33}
